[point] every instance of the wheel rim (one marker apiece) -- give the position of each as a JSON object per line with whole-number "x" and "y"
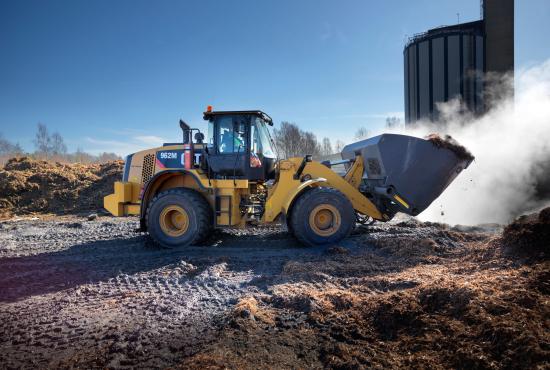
{"x": 325, "y": 220}
{"x": 174, "y": 221}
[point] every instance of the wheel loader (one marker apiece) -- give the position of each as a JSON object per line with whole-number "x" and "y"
{"x": 233, "y": 178}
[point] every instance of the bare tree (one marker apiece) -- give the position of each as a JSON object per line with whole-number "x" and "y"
{"x": 52, "y": 147}
{"x": 288, "y": 139}
{"x": 58, "y": 146}
{"x": 326, "y": 147}
{"x": 42, "y": 140}
{"x": 362, "y": 133}
{"x": 107, "y": 157}
{"x": 310, "y": 145}
{"x": 339, "y": 146}
{"x": 293, "y": 142}
{"x": 80, "y": 156}
{"x": 392, "y": 122}
{"x": 8, "y": 148}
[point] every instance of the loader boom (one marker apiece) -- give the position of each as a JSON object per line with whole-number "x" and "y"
{"x": 287, "y": 189}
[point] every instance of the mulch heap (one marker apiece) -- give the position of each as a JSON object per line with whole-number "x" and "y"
{"x": 29, "y": 186}
{"x": 448, "y": 142}
{"x": 529, "y": 235}
{"x": 474, "y": 304}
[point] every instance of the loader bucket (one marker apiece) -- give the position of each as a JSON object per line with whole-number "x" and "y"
{"x": 405, "y": 173}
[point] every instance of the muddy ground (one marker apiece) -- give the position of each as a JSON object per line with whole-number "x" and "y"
{"x": 96, "y": 294}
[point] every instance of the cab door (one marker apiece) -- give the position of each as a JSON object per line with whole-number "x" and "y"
{"x": 230, "y": 154}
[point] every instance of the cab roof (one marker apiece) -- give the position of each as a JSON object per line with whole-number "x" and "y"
{"x": 264, "y": 116}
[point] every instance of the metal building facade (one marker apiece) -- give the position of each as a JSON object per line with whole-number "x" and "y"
{"x": 451, "y": 62}
{"x": 443, "y": 64}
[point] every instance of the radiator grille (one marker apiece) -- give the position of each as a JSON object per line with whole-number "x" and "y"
{"x": 148, "y": 168}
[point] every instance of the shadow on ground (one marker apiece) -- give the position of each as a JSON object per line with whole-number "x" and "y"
{"x": 268, "y": 258}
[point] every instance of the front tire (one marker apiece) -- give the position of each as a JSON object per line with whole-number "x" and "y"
{"x": 322, "y": 216}
{"x": 178, "y": 217}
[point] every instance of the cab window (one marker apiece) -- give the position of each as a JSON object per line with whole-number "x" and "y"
{"x": 231, "y": 134}
{"x": 261, "y": 140}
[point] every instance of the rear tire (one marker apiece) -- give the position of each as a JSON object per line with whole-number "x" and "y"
{"x": 178, "y": 217}
{"x": 322, "y": 216}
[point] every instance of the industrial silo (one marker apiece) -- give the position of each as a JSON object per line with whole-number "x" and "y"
{"x": 451, "y": 62}
{"x": 442, "y": 64}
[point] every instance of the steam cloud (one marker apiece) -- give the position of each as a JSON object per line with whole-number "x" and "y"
{"x": 511, "y": 173}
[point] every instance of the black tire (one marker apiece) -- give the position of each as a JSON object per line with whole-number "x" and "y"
{"x": 340, "y": 224}
{"x": 198, "y": 212}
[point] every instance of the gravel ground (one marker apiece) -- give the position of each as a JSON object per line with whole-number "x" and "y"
{"x": 98, "y": 294}
{"x": 85, "y": 293}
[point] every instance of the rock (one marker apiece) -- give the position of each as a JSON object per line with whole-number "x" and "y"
{"x": 92, "y": 216}
{"x": 245, "y": 313}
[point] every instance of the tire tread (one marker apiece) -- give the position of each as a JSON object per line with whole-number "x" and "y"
{"x": 303, "y": 200}
{"x": 199, "y": 204}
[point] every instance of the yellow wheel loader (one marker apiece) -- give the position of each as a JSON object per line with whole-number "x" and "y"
{"x": 232, "y": 178}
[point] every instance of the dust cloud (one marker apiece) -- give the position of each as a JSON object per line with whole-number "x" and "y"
{"x": 511, "y": 173}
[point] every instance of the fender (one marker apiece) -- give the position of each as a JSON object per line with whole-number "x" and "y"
{"x": 149, "y": 186}
{"x": 285, "y": 192}
{"x": 293, "y": 194}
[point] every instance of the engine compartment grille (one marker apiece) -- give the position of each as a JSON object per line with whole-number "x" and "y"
{"x": 148, "y": 168}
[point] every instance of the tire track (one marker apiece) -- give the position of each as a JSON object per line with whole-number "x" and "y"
{"x": 88, "y": 294}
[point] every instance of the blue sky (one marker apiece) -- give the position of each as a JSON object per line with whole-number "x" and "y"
{"x": 117, "y": 75}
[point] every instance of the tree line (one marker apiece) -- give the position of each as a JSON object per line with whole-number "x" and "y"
{"x": 50, "y": 147}
{"x": 291, "y": 141}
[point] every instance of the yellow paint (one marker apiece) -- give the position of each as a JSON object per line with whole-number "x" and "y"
{"x": 282, "y": 194}
{"x": 125, "y": 200}
{"x": 355, "y": 174}
{"x": 229, "y": 204}
{"x": 325, "y": 220}
{"x": 174, "y": 221}
{"x": 132, "y": 209}
{"x": 400, "y": 200}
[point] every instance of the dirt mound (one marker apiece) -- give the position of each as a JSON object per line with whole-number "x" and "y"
{"x": 529, "y": 235}
{"x": 486, "y": 323}
{"x": 32, "y": 186}
{"x": 248, "y": 309}
{"x": 448, "y": 142}
{"x": 415, "y": 295}
{"x": 414, "y": 242}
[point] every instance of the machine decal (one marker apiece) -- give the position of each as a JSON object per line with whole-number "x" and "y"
{"x": 170, "y": 158}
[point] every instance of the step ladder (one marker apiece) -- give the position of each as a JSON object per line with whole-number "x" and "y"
{"x": 218, "y": 210}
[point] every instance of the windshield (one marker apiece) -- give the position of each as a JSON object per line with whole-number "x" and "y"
{"x": 261, "y": 140}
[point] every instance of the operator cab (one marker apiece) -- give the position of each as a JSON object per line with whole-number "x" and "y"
{"x": 239, "y": 145}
